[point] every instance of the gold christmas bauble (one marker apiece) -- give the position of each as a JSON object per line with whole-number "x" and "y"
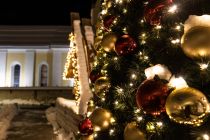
{"x": 187, "y": 106}
{"x": 108, "y": 42}
{"x": 196, "y": 42}
{"x": 132, "y": 132}
{"x": 102, "y": 84}
{"x": 101, "y": 119}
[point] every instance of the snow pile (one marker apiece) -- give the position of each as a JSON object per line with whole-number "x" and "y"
{"x": 7, "y": 112}
{"x": 64, "y": 119}
{"x": 21, "y": 101}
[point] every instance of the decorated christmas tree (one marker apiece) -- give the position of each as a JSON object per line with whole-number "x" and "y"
{"x": 151, "y": 78}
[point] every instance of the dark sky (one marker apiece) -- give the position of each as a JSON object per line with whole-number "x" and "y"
{"x": 41, "y": 12}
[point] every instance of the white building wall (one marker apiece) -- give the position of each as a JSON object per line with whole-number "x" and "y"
{"x": 29, "y": 68}
{"x": 57, "y": 68}
{"x": 3, "y": 62}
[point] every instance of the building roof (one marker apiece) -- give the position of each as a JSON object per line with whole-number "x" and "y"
{"x": 34, "y": 35}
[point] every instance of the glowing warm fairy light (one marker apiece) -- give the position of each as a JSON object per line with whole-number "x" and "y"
{"x": 111, "y": 131}
{"x": 143, "y": 35}
{"x": 95, "y": 135}
{"x": 72, "y": 59}
{"x": 131, "y": 84}
{"x": 124, "y": 29}
{"x": 172, "y": 9}
{"x": 103, "y": 12}
{"x": 97, "y": 128}
{"x": 178, "y": 27}
{"x": 124, "y": 11}
{"x": 159, "y": 124}
{"x": 203, "y": 66}
{"x": 133, "y": 76}
{"x": 139, "y": 119}
{"x": 146, "y": 57}
{"x": 116, "y": 102}
{"x": 115, "y": 58}
{"x": 137, "y": 111}
{"x": 205, "y": 137}
{"x": 175, "y": 41}
{"x": 158, "y": 27}
{"x": 69, "y": 58}
{"x": 119, "y": 1}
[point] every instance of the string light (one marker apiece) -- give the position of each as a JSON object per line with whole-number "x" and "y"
{"x": 175, "y": 41}
{"x": 95, "y": 135}
{"x": 159, "y": 124}
{"x": 69, "y": 58}
{"x": 119, "y": 1}
{"x": 158, "y": 27}
{"x": 172, "y": 9}
{"x": 125, "y": 11}
{"x": 205, "y": 137}
{"x": 111, "y": 132}
{"x": 139, "y": 119}
{"x": 133, "y": 76}
{"x": 178, "y": 27}
{"x": 203, "y": 66}
{"x": 72, "y": 59}
{"x": 112, "y": 120}
{"x": 115, "y": 58}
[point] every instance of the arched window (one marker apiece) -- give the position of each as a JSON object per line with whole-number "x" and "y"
{"x": 16, "y": 73}
{"x": 43, "y": 75}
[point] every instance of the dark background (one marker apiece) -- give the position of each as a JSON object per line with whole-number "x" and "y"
{"x": 42, "y": 12}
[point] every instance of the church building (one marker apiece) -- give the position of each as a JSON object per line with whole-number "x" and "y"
{"x": 33, "y": 56}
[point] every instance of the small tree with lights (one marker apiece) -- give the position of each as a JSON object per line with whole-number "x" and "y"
{"x": 151, "y": 76}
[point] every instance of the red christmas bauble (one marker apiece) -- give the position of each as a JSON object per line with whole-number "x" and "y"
{"x": 94, "y": 75}
{"x": 151, "y": 96}
{"x": 153, "y": 10}
{"x": 108, "y": 21}
{"x": 125, "y": 45}
{"x": 86, "y": 127}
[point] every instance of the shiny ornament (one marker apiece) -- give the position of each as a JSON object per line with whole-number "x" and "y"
{"x": 94, "y": 75}
{"x": 151, "y": 96}
{"x": 108, "y": 42}
{"x": 101, "y": 119}
{"x": 196, "y": 42}
{"x": 102, "y": 85}
{"x": 153, "y": 11}
{"x": 132, "y": 132}
{"x": 187, "y": 106}
{"x": 86, "y": 127}
{"x": 125, "y": 45}
{"x": 108, "y": 21}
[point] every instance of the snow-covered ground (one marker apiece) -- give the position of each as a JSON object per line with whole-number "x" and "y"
{"x": 7, "y": 112}
{"x": 22, "y": 102}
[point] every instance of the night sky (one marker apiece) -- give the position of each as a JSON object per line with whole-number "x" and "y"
{"x": 41, "y": 12}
